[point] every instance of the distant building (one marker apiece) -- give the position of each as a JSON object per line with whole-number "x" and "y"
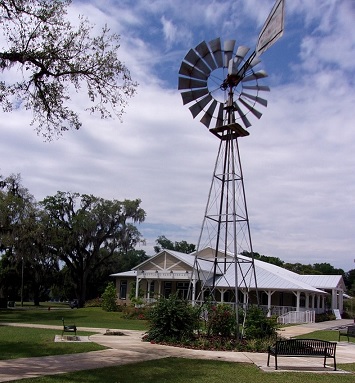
{"x": 280, "y": 290}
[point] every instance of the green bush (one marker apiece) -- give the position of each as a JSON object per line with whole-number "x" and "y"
{"x": 96, "y": 302}
{"x": 258, "y": 326}
{"x": 221, "y": 320}
{"x": 131, "y": 312}
{"x": 109, "y": 298}
{"x": 172, "y": 319}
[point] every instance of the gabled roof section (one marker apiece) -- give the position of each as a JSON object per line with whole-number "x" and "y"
{"x": 187, "y": 259}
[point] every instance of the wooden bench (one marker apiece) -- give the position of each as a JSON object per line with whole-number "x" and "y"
{"x": 303, "y": 348}
{"x": 68, "y": 328}
{"x": 349, "y": 332}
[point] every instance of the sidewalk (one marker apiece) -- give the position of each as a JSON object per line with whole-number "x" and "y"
{"x": 129, "y": 348}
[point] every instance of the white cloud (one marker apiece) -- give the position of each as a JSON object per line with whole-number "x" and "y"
{"x": 298, "y": 161}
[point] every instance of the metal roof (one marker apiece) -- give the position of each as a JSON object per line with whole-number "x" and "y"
{"x": 269, "y": 276}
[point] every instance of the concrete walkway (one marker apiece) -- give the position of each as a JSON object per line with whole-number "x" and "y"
{"x": 129, "y": 348}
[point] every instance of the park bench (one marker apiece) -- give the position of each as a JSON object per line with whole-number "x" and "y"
{"x": 303, "y": 348}
{"x": 349, "y": 332}
{"x": 68, "y": 328}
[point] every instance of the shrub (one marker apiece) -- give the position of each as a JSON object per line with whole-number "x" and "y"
{"x": 96, "y": 302}
{"x": 258, "y": 326}
{"x": 172, "y": 319}
{"x": 221, "y": 320}
{"x": 131, "y": 312}
{"x": 109, "y": 298}
{"x": 324, "y": 317}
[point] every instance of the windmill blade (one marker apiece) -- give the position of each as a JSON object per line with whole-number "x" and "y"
{"x": 240, "y": 54}
{"x": 198, "y": 107}
{"x": 205, "y": 53}
{"x": 193, "y": 95}
{"x": 228, "y": 51}
{"x": 193, "y": 58}
{"x": 216, "y": 49}
{"x": 256, "y": 60}
{"x": 255, "y": 76}
{"x": 242, "y": 115}
{"x": 257, "y": 87}
{"x": 260, "y": 100}
{"x": 206, "y": 119}
{"x": 188, "y": 83}
{"x": 188, "y": 70}
{"x": 220, "y": 116}
{"x": 256, "y": 113}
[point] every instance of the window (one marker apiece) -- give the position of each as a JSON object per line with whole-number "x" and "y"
{"x": 182, "y": 289}
{"x": 167, "y": 289}
{"x": 123, "y": 289}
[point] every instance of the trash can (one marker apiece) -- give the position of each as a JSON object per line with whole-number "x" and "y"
{"x": 11, "y": 304}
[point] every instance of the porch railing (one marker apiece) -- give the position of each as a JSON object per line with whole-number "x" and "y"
{"x": 297, "y": 317}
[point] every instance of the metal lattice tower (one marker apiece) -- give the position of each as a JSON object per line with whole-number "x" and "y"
{"x": 221, "y": 85}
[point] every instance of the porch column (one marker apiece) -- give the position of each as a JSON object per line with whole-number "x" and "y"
{"x": 334, "y": 299}
{"x": 269, "y": 295}
{"x": 298, "y": 302}
{"x": 340, "y": 300}
{"x": 307, "y": 301}
{"x": 148, "y": 289}
{"x": 222, "y": 291}
{"x": 137, "y": 286}
{"x": 313, "y": 301}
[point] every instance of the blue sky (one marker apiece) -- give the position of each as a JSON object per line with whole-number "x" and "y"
{"x": 298, "y": 161}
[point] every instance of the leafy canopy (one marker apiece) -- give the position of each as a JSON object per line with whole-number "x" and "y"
{"x": 52, "y": 58}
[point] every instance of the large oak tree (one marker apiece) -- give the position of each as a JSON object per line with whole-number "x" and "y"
{"x": 84, "y": 231}
{"x": 52, "y": 58}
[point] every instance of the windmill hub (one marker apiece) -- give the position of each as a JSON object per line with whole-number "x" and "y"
{"x": 231, "y": 81}
{"x": 220, "y": 83}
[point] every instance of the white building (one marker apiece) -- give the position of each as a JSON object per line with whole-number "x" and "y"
{"x": 280, "y": 290}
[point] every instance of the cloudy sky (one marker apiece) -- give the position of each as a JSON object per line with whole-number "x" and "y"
{"x": 298, "y": 162}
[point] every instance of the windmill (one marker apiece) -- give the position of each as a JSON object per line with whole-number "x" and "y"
{"x": 219, "y": 83}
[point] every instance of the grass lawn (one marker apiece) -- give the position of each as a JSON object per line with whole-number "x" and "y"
{"x": 176, "y": 370}
{"x": 16, "y": 342}
{"x": 85, "y": 317}
{"x": 21, "y": 342}
{"x": 330, "y": 335}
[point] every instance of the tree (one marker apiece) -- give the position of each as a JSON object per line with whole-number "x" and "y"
{"x": 84, "y": 231}
{"x": 55, "y": 58}
{"x": 264, "y": 258}
{"x": 164, "y": 243}
{"x": 21, "y": 239}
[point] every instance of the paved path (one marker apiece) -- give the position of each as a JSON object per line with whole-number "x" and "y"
{"x": 129, "y": 348}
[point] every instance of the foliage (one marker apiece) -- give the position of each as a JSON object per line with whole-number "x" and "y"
{"x": 96, "y": 302}
{"x": 324, "y": 316}
{"x": 258, "y": 326}
{"x": 56, "y": 57}
{"x": 221, "y": 321}
{"x": 172, "y": 319}
{"x": 109, "y": 298}
{"x": 84, "y": 231}
{"x": 299, "y": 268}
{"x": 164, "y": 243}
{"x": 132, "y": 312}
{"x": 21, "y": 240}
